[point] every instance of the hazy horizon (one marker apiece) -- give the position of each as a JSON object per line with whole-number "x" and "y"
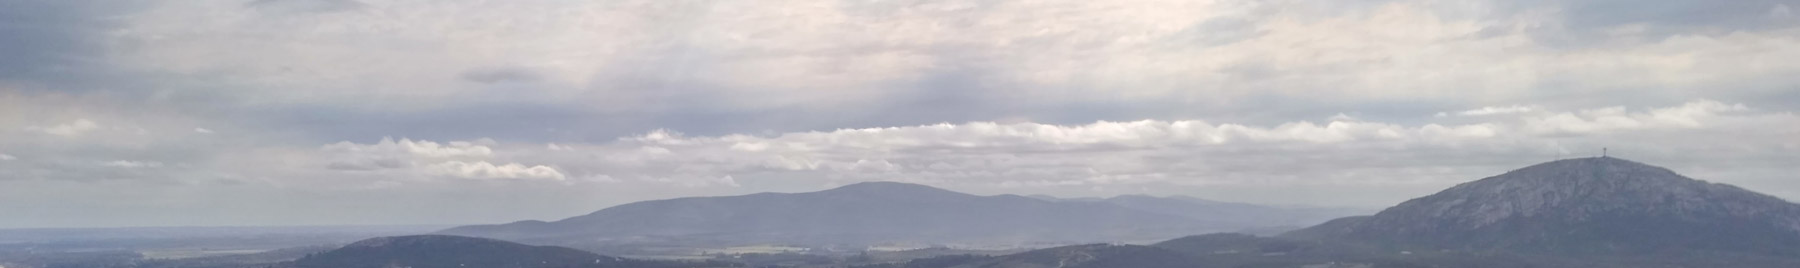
{"x": 391, "y": 112}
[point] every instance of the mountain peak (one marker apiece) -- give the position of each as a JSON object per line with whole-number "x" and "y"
{"x": 1580, "y": 176}
{"x": 1594, "y": 161}
{"x": 1598, "y": 165}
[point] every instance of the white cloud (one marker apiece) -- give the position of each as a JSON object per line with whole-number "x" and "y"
{"x": 132, "y": 164}
{"x": 600, "y": 178}
{"x": 76, "y": 127}
{"x": 203, "y": 131}
{"x": 485, "y": 170}
{"x": 1693, "y": 114}
{"x": 406, "y": 159}
{"x": 1144, "y": 152}
{"x": 1515, "y": 109}
{"x": 554, "y": 147}
{"x": 422, "y": 148}
{"x": 404, "y": 153}
{"x": 728, "y": 181}
{"x": 7, "y": 157}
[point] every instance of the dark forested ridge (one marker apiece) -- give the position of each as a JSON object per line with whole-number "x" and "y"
{"x": 425, "y": 251}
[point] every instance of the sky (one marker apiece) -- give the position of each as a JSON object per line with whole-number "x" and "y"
{"x": 349, "y": 112}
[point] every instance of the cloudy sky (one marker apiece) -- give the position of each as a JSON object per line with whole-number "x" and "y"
{"x": 300, "y": 112}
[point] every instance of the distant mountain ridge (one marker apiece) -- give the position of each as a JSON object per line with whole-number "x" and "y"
{"x": 872, "y": 212}
{"x": 863, "y": 212}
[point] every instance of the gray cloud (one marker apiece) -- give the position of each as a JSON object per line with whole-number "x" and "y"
{"x": 1676, "y": 16}
{"x": 56, "y": 41}
{"x": 1597, "y": 22}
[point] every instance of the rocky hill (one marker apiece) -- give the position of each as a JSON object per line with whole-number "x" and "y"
{"x": 1582, "y": 206}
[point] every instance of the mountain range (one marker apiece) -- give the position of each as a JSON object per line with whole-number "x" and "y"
{"x": 1589, "y": 212}
{"x": 890, "y": 212}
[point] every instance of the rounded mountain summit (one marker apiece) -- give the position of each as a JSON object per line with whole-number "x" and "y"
{"x": 1600, "y": 205}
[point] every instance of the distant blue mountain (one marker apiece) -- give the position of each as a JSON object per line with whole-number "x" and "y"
{"x": 879, "y": 212}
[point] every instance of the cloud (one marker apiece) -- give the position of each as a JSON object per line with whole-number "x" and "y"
{"x": 203, "y": 130}
{"x": 74, "y": 128}
{"x": 8, "y": 157}
{"x": 57, "y": 41}
{"x": 1491, "y": 110}
{"x": 1608, "y": 18}
{"x": 411, "y": 160}
{"x": 485, "y": 170}
{"x": 1690, "y": 115}
{"x": 1142, "y": 52}
{"x": 370, "y": 163}
{"x": 396, "y": 154}
{"x": 1184, "y": 153}
{"x": 422, "y": 148}
{"x": 132, "y": 164}
{"x": 554, "y": 147}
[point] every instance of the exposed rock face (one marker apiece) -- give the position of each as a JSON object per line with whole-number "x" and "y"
{"x": 1582, "y": 205}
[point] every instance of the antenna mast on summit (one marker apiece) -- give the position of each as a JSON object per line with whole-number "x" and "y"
{"x": 1602, "y": 152}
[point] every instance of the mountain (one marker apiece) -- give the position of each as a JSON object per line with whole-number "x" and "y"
{"x": 1589, "y": 213}
{"x": 1582, "y": 207}
{"x": 871, "y": 212}
{"x": 425, "y": 251}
